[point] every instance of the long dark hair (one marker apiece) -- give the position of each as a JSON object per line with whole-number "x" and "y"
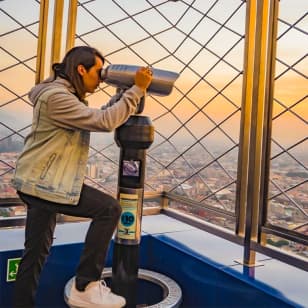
{"x": 67, "y": 69}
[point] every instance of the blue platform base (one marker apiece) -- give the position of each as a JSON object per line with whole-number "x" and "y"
{"x": 202, "y": 264}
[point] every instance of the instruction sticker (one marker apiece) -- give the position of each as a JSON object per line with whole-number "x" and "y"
{"x": 127, "y": 222}
{"x": 12, "y": 268}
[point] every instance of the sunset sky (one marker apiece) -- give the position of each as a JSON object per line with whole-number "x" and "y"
{"x": 170, "y": 47}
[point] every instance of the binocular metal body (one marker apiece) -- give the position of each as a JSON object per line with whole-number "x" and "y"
{"x": 122, "y": 76}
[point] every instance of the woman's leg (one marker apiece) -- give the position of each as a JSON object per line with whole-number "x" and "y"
{"x": 40, "y": 225}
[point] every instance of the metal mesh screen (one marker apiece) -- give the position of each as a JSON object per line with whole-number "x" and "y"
{"x": 195, "y": 151}
{"x": 18, "y": 40}
{"x": 288, "y": 199}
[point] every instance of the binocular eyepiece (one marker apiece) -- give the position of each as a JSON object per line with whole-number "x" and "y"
{"x": 122, "y": 76}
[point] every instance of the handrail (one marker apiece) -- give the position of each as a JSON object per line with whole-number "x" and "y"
{"x": 196, "y": 222}
{"x": 217, "y": 211}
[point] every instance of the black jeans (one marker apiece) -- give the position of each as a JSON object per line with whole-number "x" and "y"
{"x": 41, "y": 221}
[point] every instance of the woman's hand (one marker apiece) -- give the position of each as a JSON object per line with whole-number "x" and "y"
{"x": 143, "y": 78}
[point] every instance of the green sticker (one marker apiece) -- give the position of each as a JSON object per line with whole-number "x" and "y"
{"x": 12, "y": 268}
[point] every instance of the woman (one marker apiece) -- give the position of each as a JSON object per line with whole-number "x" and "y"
{"x": 50, "y": 173}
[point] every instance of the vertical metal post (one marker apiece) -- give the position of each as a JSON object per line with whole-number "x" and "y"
{"x": 256, "y": 148}
{"x": 41, "y": 43}
{"x": 255, "y": 122}
{"x": 56, "y": 42}
{"x": 164, "y": 202}
{"x": 272, "y": 44}
{"x": 71, "y": 24}
{"x": 57, "y": 31}
{"x": 248, "y": 79}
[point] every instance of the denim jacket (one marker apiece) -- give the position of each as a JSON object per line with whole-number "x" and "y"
{"x": 53, "y": 161}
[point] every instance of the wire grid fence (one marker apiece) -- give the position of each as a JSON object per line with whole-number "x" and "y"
{"x": 176, "y": 159}
{"x": 289, "y": 160}
{"x": 195, "y": 151}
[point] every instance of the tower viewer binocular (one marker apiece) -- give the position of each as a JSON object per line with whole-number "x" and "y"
{"x": 122, "y": 76}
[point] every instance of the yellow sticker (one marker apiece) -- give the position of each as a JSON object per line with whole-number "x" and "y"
{"x": 127, "y": 223}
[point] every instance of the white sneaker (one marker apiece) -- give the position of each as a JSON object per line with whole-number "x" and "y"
{"x": 96, "y": 294}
